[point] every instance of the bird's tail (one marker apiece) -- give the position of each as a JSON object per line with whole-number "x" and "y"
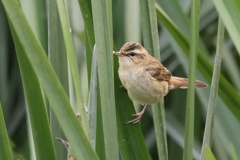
{"x": 178, "y": 82}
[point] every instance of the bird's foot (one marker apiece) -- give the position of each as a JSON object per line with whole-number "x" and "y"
{"x": 136, "y": 120}
{"x": 138, "y": 115}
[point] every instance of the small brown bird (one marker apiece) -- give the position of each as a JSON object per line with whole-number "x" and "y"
{"x": 145, "y": 78}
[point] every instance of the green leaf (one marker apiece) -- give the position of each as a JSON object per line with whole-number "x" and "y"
{"x": 35, "y": 12}
{"x": 58, "y": 58}
{"x": 5, "y": 149}
{"x": 208, "y": 154}
{"x": 86, "y": 10}
{"x": 100, "y": 140}
{"x": 4, "y": 42}
{"x": 102, "y": 17}
{"x": 150, "y": 39}
{"x": 228, "y": 9}
{"x": 207, "y": 139}
{"x": 88, "y": 56}
{"x": 92, "y": 100}
{"x": 190, "y": 107}
{"x": 49, "y": 82}
{"x": 43, "y": 143}
{"x": 73, "y": 62}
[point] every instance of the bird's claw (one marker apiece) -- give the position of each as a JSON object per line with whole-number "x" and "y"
{"x": 136, "y": 120}
{"x": 138, "y": 115}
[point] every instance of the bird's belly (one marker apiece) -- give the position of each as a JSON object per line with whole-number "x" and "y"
{"x": 143, "y": 89}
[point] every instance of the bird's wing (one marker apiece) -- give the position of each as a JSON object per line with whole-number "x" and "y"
{"x": 159, "y": 72}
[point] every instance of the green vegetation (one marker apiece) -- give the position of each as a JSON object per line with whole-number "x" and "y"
{"x": 50, "y": 72}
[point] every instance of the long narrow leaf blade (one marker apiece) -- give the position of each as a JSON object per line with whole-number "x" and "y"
{"x": 228, "y": 9}
{"x": 37, "y": 112}
{"x": 207, "y": 139}
{"x": 73, "y": 62}
{"x": 86, "y": 10}
{"x": 4, "y": 39}
{"x": 5, "y": 149}
{"x": 58, "y": 58}
{"x": 92, "y": 101}
{"x": 190, "y": 107}
{"x": 102, "y": 11}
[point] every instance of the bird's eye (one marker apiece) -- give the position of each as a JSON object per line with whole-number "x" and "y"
{"x": 132, "y": 54}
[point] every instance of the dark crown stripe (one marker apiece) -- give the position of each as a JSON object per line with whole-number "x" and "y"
{"x": 132, "y": 47}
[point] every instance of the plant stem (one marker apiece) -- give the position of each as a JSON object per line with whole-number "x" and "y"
{"x": 214, "y": 90}
{"x": 189, "y": 121}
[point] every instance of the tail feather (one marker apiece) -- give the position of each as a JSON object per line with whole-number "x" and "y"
{"x": 178, "y": 82}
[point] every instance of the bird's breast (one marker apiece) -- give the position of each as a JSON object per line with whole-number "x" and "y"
{"x": 142, "y": 87}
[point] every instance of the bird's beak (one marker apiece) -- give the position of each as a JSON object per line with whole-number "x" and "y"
{"x": 119, "y": 54}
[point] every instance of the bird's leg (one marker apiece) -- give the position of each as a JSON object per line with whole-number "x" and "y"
{"x": 138, "y": 115}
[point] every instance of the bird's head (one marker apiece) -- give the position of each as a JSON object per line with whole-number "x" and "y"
{"x": 131, "y": 54}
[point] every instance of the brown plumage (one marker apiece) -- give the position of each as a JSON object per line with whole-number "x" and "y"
{"x": 145, "y": 78}
{"x": 158, "y": 71}
{"x": 178, "y": 82}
